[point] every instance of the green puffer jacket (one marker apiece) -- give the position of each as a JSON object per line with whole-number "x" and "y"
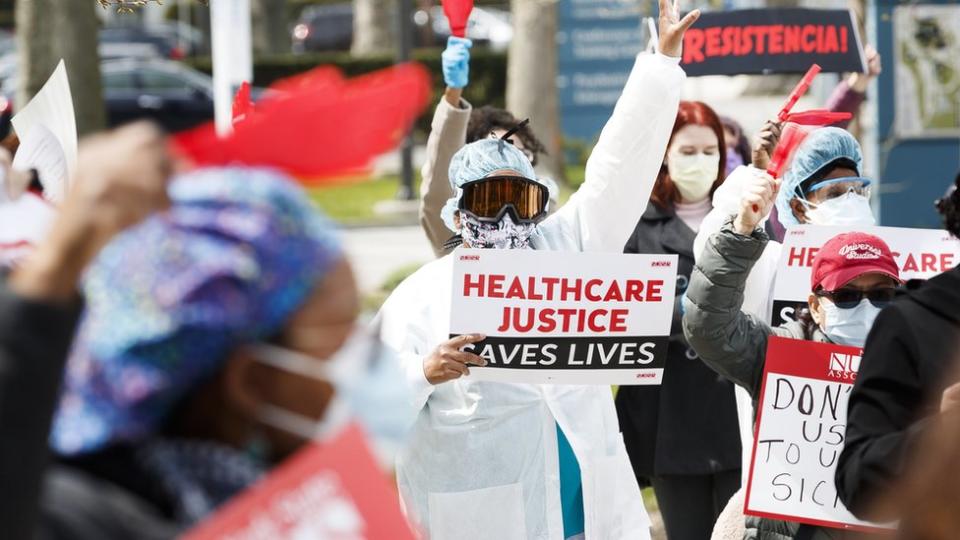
{"x": 734, "y": 343}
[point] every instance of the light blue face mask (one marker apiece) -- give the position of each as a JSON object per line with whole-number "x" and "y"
{"x": 370, "y": 389}
{"x": 849, "y": 326}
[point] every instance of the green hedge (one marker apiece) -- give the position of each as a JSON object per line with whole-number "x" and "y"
{"x": 488, "y": 73}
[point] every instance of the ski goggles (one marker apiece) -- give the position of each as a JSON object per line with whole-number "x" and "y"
{"x": 488, "y": 199}
{"x": 848, "y": 298}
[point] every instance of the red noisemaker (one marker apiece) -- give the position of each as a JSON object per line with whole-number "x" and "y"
{"x": 796, "y": 126}
{"x": 457, "y": 12}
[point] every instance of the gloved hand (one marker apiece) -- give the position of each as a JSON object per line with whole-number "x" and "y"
{"x": 456, "y": 62}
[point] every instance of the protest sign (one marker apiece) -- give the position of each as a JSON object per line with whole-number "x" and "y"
{"x": 557, "y": 317}
{"x": 783, "y": 40}
{"x": 47, "y": 129}
{"x": 920, "y": 254}
{"x": 801, "y": 425}
{"x": 332, "y": 490}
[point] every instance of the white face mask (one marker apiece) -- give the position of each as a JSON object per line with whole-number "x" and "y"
{"x": 848, "y": 326}
{"x": 369, "y": 387}
{"x": 693, "y": 174}
{"x": 849, "y": 209}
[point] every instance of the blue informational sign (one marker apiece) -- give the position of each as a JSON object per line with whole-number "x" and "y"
{"x": 918, "y": 112}
{"x": 597, "y": 42}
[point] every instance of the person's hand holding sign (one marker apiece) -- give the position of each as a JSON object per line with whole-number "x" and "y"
{"x": 765, "y": 143}
{"x": 758, "y": 197}
{"x": 672, "y": 27}
{"x": 447, "y": 362}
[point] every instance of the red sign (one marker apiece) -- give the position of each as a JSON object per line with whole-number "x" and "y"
{"x": 801, "y": 425}
{"x": 329, "y": 491}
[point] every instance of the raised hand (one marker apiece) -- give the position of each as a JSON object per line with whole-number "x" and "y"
{"x": 765, "y": 142}
{"x": 672, "y": 27}
{"x": 455, "y": 61}
{"x": 759, "y": 195}
{"x": 121, "y": 178}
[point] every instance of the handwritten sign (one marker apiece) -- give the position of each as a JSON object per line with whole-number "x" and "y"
{"x": 801, "y": 425}
{"x": 555, "y": 317}
{"x": 920, "y": 254}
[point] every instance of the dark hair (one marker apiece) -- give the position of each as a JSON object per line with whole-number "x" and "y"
{"x": 487, "y": 118}
{"x": 740, "y": 144}
{"x": 665, "y": 193}
{"x": 949, "y": 208}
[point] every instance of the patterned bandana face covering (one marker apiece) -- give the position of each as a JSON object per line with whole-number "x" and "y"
{"x": 504, "y": 234}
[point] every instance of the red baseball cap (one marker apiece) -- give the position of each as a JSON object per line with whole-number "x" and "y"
{"x": 848, "y": 256}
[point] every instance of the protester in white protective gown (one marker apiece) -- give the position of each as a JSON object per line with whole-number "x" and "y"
{"x": 486, "y": 460}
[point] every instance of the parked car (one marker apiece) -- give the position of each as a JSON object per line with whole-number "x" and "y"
{"x": 175, "y": 96}
{"x": 324, "y": 28}
{"x": 137, "y": 41}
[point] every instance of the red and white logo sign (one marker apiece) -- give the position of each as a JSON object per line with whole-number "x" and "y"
{"x": 860, "y": 251}
{"x": 328, "y": 491}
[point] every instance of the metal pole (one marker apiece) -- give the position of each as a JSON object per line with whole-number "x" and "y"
{"x": 405, "y": 38}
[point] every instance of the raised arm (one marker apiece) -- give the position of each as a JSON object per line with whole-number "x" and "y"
{"x": 624, "y": 164}
{"x": 726, "y": 338}
{"x": 448, "y": 133}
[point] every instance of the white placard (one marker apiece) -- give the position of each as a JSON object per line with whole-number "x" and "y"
{"x": 801, "y": 426}
{"x": 920, "y": 254}
{"x": 52, "y": 151}
{"x": 557, "y": 317}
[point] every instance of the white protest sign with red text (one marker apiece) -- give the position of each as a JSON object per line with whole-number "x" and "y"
{"x": 920, "y": 254}
{"x": 327, "y": 491}
{"x": 801, "y": 425}
{"x": 556, "y": 317}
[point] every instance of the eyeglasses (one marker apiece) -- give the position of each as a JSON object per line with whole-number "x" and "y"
{"x": 489, "y": 198}
{"x": 851, "y": 298}
{"x": 838, "y": 187}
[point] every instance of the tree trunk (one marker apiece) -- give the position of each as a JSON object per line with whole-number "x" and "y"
{"x": 270, "y": 32}
{"x": 48, "y": 30}
{"x": 532, "y": 75}
{"x": 374, "y": 29}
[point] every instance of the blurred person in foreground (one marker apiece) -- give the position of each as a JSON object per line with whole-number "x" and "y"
{"x": 928, "y": 493}
{"x": 456, "y": 123}
{"x": 205, "y": 356}
{"x": 120, "y": 178}
{"x": 682, "y": 435}
{"x": 906, "y": 366}
{"x": 496, "y": 460}
{"x": 852, "y": 277}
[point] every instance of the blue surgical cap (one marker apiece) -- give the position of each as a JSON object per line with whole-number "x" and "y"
{"x": 167, "y": 301}
{"x": 820, "y": 148}
{"x": 477, "y": 160}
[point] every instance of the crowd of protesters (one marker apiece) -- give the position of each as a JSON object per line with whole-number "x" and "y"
{"x": 177, "y": 334}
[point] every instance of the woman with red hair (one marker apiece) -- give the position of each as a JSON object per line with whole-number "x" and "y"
{"x": 682, "y": 436}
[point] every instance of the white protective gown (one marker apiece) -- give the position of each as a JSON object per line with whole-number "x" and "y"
{"x": 757, "y": 292}
{"x": 482, "y": 458}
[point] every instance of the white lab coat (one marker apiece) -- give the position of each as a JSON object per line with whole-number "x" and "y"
{"x": 482, "y": 460}
{"x": 758, "y": 290}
